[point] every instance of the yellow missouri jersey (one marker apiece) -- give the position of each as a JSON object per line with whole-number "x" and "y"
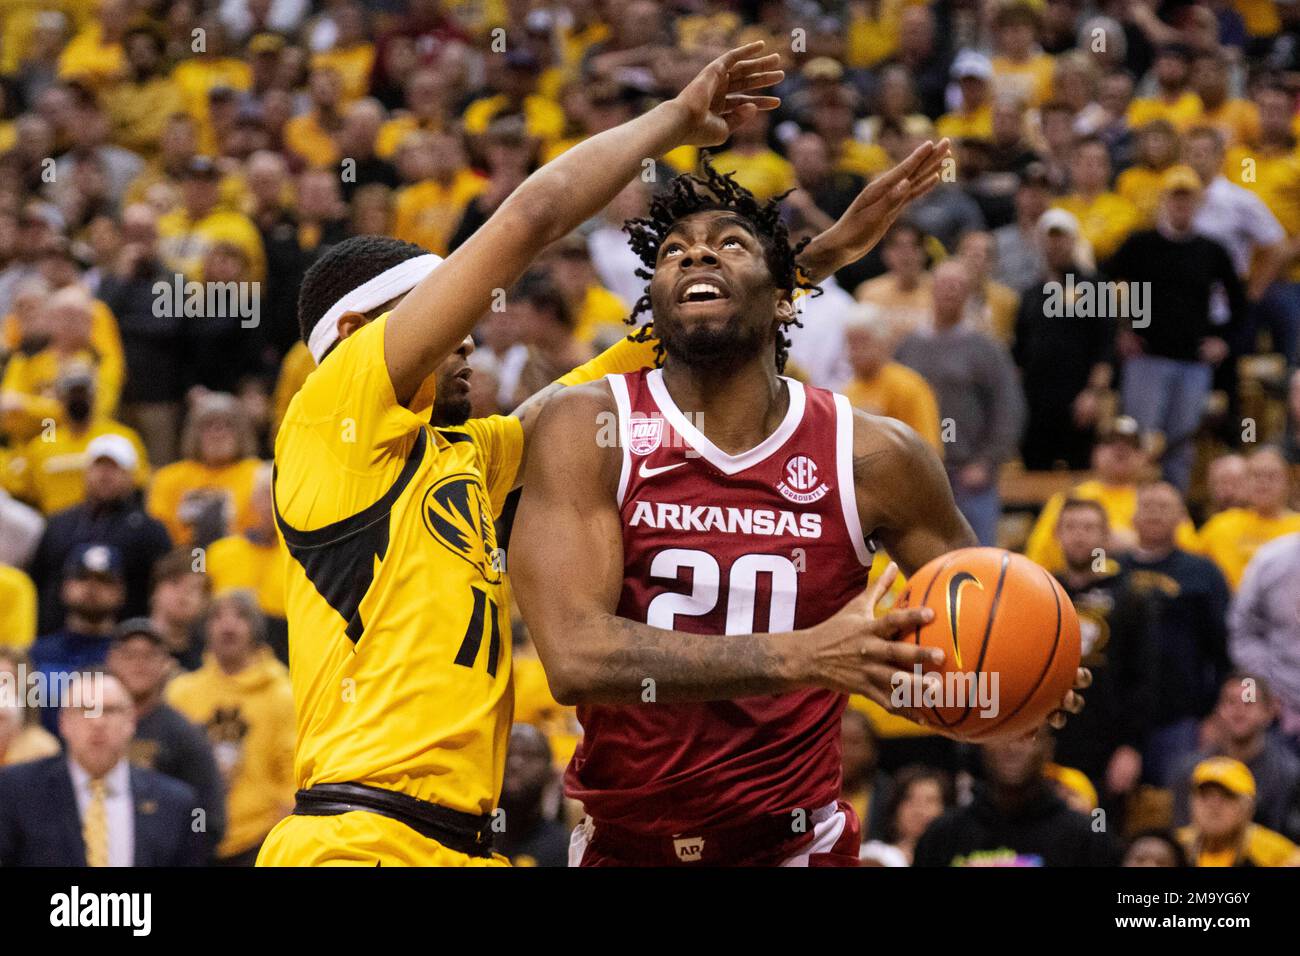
{"x": 395, "y": 593}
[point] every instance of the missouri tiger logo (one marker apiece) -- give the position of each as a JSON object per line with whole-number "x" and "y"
{"x": 455, "y": 511}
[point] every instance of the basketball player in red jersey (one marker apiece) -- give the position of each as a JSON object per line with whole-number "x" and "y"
{"x": 695, "y": 579}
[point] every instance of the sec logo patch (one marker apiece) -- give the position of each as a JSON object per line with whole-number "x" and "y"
{"x": 456, "y": 512}
{"x": 801, "y": 481}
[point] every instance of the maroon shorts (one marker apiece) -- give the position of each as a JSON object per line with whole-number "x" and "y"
{"x": 832, "y": 839}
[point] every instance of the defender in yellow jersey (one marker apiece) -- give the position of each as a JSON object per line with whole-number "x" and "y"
{"x": 386, "y": 495}
{"x": 395, "y": 588}
{"x": 400, "y": 633}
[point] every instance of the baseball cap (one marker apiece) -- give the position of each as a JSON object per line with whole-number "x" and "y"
{"x": 1232, "y": 775}
{"x": 1123, "y": 429}
{"x": 138, "y": 627}
{"x": 93, "y": 560}
{"x": 1058, "y": 220}
{"x": 116, "y": 448}
{"x": 971, "y": 63}
{"x": 1180, "y": 179}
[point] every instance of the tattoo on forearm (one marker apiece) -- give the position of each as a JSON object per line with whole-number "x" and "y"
{"x": 685, "y": 667}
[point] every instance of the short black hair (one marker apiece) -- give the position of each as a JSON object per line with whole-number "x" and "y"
{"x": 538, "y": 290}
{"x": 687, "y": 195}
{"x": 347, "y": 265}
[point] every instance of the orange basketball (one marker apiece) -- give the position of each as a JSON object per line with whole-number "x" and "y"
{"x": 1010, "y": 639}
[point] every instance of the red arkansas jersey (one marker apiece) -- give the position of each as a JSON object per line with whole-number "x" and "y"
{"x": 765, "y": 541}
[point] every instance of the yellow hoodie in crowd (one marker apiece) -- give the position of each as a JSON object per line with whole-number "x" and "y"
{"x": 249, "y": 720}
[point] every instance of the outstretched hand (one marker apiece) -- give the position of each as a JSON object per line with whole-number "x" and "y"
{"x": 875, "y": 209}
{"x": 717, "y": 101}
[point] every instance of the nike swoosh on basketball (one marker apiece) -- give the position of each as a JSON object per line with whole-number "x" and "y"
{"x": 651, "y": 472}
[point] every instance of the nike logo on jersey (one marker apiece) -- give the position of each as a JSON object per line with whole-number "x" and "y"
{"x": 651, "y": 472}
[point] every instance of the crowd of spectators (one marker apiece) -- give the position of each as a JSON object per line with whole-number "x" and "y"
{"x": 1094, "y": 319}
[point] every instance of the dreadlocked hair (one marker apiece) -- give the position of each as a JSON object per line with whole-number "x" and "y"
{"x": 687, "y": 195}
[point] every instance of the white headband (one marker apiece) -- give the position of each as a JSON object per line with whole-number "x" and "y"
{"x": 386, "y": 286}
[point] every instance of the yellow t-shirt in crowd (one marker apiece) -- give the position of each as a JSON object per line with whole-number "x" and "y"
{"x": 353, "y": 65}
{"x": 52, "y": 474}
{"x": 139, "y": 112}
{"x": 764, "y": 173}
{"x": 394, "y": 132}
{"x": 1105, "y": 220}
{"x": 234, "y": 483}
{"x": 1141, "y": 185}
{"x": 250, "y": 723}
{"x": 898, "y": 392}
{"x": 200, "y": 75}
{"x": 535, "y": 705}
{"x": 995, "y": 311}
{"x": 1273, "y": 176}
{"x": 861, "y": 159}
{"x": 1120, "y": 505}
{"x": 543, "y": 118}
{"x": 1183, "y": 112}
{"x": 428, "y": 212}
{"x": 1030, "y": 81}
{"x": 1231, "y": 538}
{"x": 394, "y": 585}
{"x": 306, "y": 138}
{"x": 33, "y": 377}
{"x": 1073, "y": 780}
{"x": 872, "y": 32}
{"x": 602, "y": 313}
{"x": 104, "y": 335}
{"x": 960, "y": 124}
{"x": 1260, "y": 17}
{"x": 183, "y": 242}
{"x": 574, "y": 43}
{"x": 17, "y": 608}
{"x": 1260, "y": 846}
{"x": 236, "y": 562}
{"x": 1237, "y": 119}
{"x": 904, "y": 309}
{"x": 89, "y": 59}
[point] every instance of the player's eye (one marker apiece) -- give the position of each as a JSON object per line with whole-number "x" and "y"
{"x": 733, "y": 242}
{"x": 671, "y": 249}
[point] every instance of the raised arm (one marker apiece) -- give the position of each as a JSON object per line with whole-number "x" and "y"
{"x": 566, "y": 562}
{"x": 434, "y": 318}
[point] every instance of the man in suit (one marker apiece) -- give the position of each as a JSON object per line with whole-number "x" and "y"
{"x": 89, "y": 806}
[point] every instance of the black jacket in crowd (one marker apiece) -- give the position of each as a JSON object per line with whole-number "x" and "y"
{"x": 1183, "y": 274}
{"x": 168, "y": 743}
{"x": 1189, "y": 599}
{"x": 1116, "y": 628}
{"x": 1040, "y": 831}
{"x": 140, "y": 538}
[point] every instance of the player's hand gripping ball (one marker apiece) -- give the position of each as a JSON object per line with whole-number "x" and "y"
{"x": 1010, "y": 639}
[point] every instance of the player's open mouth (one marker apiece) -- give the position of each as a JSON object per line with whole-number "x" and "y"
{"x": 704, "y": 290}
